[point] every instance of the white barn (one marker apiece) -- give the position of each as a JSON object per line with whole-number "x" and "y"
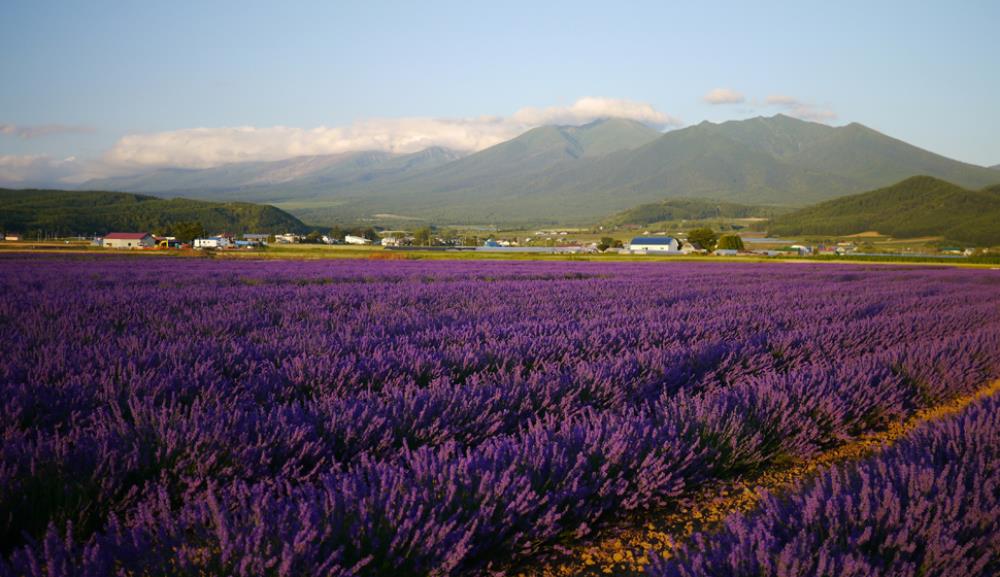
{"x": 655, "y": 244}
{"x": 128, "y": 240}
{"x": 351, "y": 239}
{"x": 212, "y": 242}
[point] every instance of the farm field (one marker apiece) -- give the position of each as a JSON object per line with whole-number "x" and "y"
{"x": 928, "y": 506}
{"x": 165, "y": 416}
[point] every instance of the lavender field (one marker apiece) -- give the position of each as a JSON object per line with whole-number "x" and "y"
{"x": 200, "y": 417}
{"x": 927, "y": 506}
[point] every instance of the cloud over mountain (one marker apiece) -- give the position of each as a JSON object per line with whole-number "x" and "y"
{"x": 589, "y": 109}
{"x": 723, "y": 96}
{"x": 799, "y": 109}
{"x": 208, "y": 147}
{"x": 27, "y": 132}
{"x": 789, "y": 105}
{"x": 37, "y": 170}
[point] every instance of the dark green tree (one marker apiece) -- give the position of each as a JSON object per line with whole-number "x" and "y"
{"x": 369, "y": 233}
{"x": 705, "y": 237}
{"x": 422, "y": 236}
{"x": 730, "y": 241}
{"x": 607, "y": 242}
{"x": 188, "y": 231}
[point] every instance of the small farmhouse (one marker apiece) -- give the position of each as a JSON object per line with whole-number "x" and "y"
{"x": 656, "y": 244}
{"x": 212, "y": 242}
{"x": 692, "y": 248}
{"x": 128, "y": 240}
{"x": 396, "y": 240}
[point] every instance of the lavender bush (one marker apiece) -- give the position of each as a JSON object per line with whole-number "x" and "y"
{"x": 175, "y": 417}
{"x": 928, "y": 506}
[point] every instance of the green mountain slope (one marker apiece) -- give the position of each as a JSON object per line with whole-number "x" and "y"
{"x": 677, "y": 209}
{"x": 918, "y": 206}
{"x": 871, "y": 158}
{"x": 87, "y": 212}
{"x": 537, "y": 151}
{"x": 514, "y": 177}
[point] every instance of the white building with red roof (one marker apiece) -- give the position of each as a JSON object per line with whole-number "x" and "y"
{"x": 128, "y": 240}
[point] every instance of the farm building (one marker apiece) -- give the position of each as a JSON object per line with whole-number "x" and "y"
{"x": 396, "y": 241}
{"x": 12, "y": 236}
{"x": 692, "y": 248}
{"x": 351, "y": 239}
{"x": 128, "y": 240}
{"x": 212, "y": 242}
{"x": 648, "y": 244}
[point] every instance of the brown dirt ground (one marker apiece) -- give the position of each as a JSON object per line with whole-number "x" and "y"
{"x": 623, "y": 548}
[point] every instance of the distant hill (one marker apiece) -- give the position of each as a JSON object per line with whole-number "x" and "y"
{"x": 577, "y": 174}
{"x": 918, "y": 206}
{"x": 295, "y": 178}
{"x": 995, "y": 167}
{"x": 86, "y": 212}
{"x": 688, "y": 209}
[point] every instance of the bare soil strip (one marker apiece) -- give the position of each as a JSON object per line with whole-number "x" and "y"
{"x": 623, "y": 549}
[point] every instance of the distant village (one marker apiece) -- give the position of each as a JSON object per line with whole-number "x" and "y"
{"x": 540, "y": 242}
{"x": 543, "y": 242}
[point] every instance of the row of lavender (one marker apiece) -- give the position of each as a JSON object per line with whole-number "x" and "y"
{"x": 423, "y": 418}
{"x": 929, "y": 505}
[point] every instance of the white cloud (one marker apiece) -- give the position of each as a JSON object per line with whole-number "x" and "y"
{"x": 39, "y": 130}
{"x": 29, "y": 170}
{"x": 799, "y": 109}
{"x": 207, "y": 147}
{"x": 723, "y": 96}
{"x": 780, "y": 100}
{"x": 589, "y": 109}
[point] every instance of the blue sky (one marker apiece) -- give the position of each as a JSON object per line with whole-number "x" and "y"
{"x": 115, "y": 83}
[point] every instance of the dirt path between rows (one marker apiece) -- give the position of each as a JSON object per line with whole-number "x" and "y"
{"x": 622, "y": 549}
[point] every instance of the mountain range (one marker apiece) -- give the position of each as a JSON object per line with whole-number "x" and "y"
{"x": 293, "y": 178}
{"x": 574, "y": 174}
{"x": 916, "y": 207}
